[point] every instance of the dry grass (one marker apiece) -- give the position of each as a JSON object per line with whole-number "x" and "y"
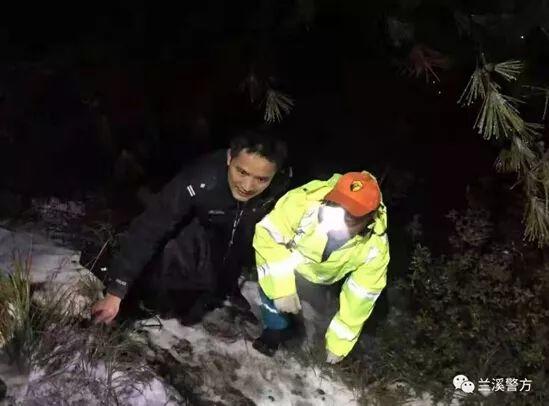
{"x": 90, "y": 287}
{"x": 16, "y": 332}
{"x": 46, "y": 335}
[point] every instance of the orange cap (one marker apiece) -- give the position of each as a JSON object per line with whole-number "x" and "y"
{"x": 356, "y": 192}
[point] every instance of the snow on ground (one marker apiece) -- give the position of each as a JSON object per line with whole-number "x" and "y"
{"x": 227, "y": 367}
{"x": 48, "y": 261}
{"x": 280, "y": 380}
{"x": 45, "y": 390}
{"x": 217, "y": 367}
{"x": 55, "y": 267}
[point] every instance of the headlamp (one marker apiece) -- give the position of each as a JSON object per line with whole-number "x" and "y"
{"x": 332, "y": 219}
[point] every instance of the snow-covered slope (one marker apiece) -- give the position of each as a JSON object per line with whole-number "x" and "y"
{"x": 219, "y": 368}
{"x": 231, "y": 368}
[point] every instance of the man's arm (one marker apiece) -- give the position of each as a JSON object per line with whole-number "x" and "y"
{"x": 150, "y": 229}
{"x": 275, "y": 259}
{"x": 357, "y": 298}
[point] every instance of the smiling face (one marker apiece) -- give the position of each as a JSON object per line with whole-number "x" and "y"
{"x": 249, "y": 174}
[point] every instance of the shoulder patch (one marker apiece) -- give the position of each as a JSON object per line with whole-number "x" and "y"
{"x": 191, "y": 191}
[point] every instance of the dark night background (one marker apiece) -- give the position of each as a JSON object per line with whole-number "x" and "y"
{"x": 102, "y": 102}
{"x": 85, "y": 86}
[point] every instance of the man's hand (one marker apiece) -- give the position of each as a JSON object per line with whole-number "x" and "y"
{"x": 288, "y": 304}
{"x": 105, "y": 310}
{"x": 331, "y": 358}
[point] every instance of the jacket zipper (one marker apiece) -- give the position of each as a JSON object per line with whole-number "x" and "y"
{"x": 236, "y": 221}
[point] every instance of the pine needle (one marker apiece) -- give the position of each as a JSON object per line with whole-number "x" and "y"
{"x": 517, "y": 158}
{"x": 510, "y": 70}
{"x": 531, "y": 184}
{"x": 537, "y": 221}
{"x": 520, "y": 147}
{"x": 277, "y": 104}
{"x": 498, "y": 116}
{"x": 538, "y": 181}
{"x": 543, "y": 176}
{"x": 474, "y": 89}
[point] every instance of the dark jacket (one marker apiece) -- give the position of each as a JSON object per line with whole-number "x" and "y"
{"x": 194, "y": 223}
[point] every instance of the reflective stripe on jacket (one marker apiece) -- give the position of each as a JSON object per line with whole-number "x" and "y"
{"x": 289, "y": 238}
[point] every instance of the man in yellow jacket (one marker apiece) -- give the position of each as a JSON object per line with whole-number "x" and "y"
{"x": 321, "y": 233}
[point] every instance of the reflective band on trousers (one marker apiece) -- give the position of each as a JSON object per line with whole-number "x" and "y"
{"x": 269, "y": 308}
{"x": 360, "y": 291}
{"x": 341, "y": 330}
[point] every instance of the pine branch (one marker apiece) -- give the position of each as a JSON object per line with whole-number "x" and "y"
{"x": 537, "y": 208}
{"x": 424, "y": 60}
{"x": 537, "y": 221}
{"x": 510, "y": 70}
{"x": 474, "y": 89}
{"x": 543, "y": 176}
{"x": 498, "y": 115}
{"x": 277, "y": 104}
{"x": 538, "y": 181}
{"x": 530, "y": 184}
{"x": 518, "y": 158}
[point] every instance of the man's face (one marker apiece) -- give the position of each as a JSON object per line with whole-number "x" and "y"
{"x": 356, "y": 224}
{"x": 249, "y": 174}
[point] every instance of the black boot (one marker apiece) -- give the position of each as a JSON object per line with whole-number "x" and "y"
{"x": 238, "y": 300}
{"x": 203, "y": 303}
{"x": 270, "y": 340}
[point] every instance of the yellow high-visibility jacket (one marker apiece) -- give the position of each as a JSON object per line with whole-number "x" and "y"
{"x": 289, "y": 239}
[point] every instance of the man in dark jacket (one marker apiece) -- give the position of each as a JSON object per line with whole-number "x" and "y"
{"x": 190, "y": 244}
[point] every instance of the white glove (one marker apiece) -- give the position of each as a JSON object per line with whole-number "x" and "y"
{"x": 331, "y": 358}
{"x": 288, "y": 304}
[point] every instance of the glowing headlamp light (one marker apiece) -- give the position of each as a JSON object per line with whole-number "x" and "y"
{"x": 333, "y": 219}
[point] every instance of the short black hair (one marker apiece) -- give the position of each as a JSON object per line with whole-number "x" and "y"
{"x": 262, "y": 142}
